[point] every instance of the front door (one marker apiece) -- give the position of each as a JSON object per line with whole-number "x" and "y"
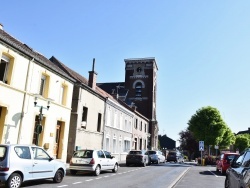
{"x": 57, "y": 140}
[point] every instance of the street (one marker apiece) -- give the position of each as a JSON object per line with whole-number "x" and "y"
{"x": 169, "y": 175}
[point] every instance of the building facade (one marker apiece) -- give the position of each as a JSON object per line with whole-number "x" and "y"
{"x": 35, "y": 98}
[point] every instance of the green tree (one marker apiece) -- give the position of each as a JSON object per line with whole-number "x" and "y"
{"x": 207, "y": 125}
{"x": 188, "y": 143}
{"x": 242, "y": 142}
{"x": 228, "y": 139}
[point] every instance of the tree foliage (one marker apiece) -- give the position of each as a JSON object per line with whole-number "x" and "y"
{"x": 188, "y": 143}
{"x": 207, "y": 125}
{"x": 242, "y": 142}
{"x": 228, "y": 139}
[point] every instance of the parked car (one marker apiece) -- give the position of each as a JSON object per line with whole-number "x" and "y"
{"x": 156, "y": 156}
{"x": 223, "y": 163}
{"x": 93, "y": 161}
{"x": 20, "y": 163}
{"x": 238, "y": 174}
{"x": 175, "y": 156}
{"x": 138, "y": 157}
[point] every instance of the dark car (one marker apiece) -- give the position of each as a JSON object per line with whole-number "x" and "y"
{"x": 137, "y": 157}
{"x": 238, "y": 174}
{"x": 175, "y": 156}
{"x": 223, "y": 163}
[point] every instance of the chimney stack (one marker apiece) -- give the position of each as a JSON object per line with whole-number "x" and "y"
{"x": 1, "y": 26}
{"x": 92, "y": 76}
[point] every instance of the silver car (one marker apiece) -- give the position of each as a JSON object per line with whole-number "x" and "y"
{"x": 19, "y": 163}
{"x": 92, "y": 160}
{"x": 156, "y": 156}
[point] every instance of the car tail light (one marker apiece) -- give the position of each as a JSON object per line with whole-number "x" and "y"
{"x": 92, "y": 161}
{"x": 4, "y": 168}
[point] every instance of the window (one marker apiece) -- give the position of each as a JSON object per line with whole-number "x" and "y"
{"x": 84, "y": 114}
{"x": 138, "y": 89}
{"x": 100, "y": 154}
{"x": 40, "y": 154}
{"x": 99, "y": 122}
{"x": 6, "y": 66}
{"x": 23, "y": 152}
{"x": 145, "y": 127}
{"x": 115, "y": 119}
{"x": 108, "y": 155}
{"x": 44, "y": 86}
{"x": 114, "y": 144}
{"x": 63, "y": 92}
{"x": 136, "y": 123}
{"x": 141, "y": 126}
{"x": 107, "y": 144}
{"x": 126, "y": 146}
{"x": 246, "y": 160}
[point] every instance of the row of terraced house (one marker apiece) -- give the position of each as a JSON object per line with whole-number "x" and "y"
{"x": 44, "y": 102}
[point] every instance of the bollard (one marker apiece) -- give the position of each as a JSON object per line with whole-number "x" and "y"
{"x": 203, "y": 162}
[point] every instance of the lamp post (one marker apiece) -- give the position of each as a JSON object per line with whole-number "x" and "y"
{"x": 38, "y": 126}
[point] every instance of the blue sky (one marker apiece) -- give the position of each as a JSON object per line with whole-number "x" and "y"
{"x": 201, "y": 48}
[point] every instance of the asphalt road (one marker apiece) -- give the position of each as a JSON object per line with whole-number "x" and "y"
{"x": 168, "y": 175}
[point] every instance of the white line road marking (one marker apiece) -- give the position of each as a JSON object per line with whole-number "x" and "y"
{"x": 215, "y": 174}
{"x": 106, "y": 176}
{"x": 63, "y": 186}
{"x": 90, "y": 180}
{"x": 77, "y": 182}
{"x": 98, "y": 178}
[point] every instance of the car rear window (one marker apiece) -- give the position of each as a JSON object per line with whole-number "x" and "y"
{"x": 172, "y": 153}
{"x": 3, "y": 150}
{"x": 230, "y": 157}
{"x": 135, "y": 152}
{"x": 83, "y": 154}
{"x": 151, "y": 152}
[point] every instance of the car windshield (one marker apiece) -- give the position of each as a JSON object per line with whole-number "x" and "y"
{"x": 83, "y": 154}
{"x": 135, "y": 152}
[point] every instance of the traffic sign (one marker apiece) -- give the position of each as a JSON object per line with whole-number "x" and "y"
{"x": 201, "y": 145}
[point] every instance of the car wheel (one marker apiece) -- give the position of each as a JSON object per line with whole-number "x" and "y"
{"x": 227, "y": 183}
{"x": 97, "y": 170}
{"x": 127, "y": 164}
{"x": 14, "y": 181}
{"x": 115, "y": 168}
{"x": 73, "y": 172}
{"x": 58, "y": 176}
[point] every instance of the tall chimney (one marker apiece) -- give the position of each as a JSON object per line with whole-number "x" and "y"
{"x": 92, "y": 76}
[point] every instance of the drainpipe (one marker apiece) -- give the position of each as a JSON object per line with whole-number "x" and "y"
{"x": 104, "y": 119}
{"x": 24, "y": 101}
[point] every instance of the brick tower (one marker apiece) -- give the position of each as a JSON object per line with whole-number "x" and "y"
{"x": 140, "y": 80}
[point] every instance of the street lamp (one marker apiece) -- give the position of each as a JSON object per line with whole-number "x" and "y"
{"x": 39, "y": 128}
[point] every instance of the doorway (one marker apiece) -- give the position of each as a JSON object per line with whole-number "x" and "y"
{"x": 59, "y": 135}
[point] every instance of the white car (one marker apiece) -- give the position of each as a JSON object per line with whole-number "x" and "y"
{"x": 19, "y": 163}
{"x": 93, "y": 161}
{"x": 156, "y": 156}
